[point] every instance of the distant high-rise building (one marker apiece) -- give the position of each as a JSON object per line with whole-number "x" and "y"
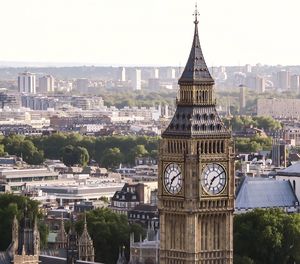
{"x": 136, "y": 79}
{"x": 27, "y": 82}
{"x": 222, "y": 69}
{"x": 283, "y": 80}
{"x": 156, "y": 73}
{"x": 171, "y": 73}
{"x": 251, "y": 82}
{"x": 122, "y": 74}
{"x": 82, "y": 85}
{"x": 248, "y": 68}
{"x": 153, "y": 73}
{"x": 260, "y": 84}
{"x": 166, "y": 111}
{"x": 295, "y": 83}
{"x": 46, "y": 84}
{"x": 243, "y": 91}
{"x": 256, "y": 82}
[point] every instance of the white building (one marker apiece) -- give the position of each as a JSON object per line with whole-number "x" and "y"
{"x": 122, "y": 74}
{"x": 136, "y": 79}
{"x": 283, "y": 80}
{"x": 156, "y": 73}
{"x": 82, "y": 192}
{"x": 260, "y": 84}
{"x": 295, "y": 83}
{"x": 248, "y": 68}
{"x": 27, "y": 82}
{"x": 46, "y": 84}
{"x": 16, "y": 180}
{"x": 171, "y": 73}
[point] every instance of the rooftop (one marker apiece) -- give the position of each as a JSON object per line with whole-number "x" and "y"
{"x": 293, "y": 170}
{"x": 265, "y": 193}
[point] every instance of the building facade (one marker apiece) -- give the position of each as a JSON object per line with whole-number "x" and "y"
{"x": 137, "y": 79}
{"x": 46, "y": 84}
{"x": 25, "y": 245}
{"x": 196, "y": 173}
{"x": 278, "y": 108}
{"x": 27, "y": 83}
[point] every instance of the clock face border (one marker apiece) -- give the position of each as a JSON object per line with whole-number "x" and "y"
{"x": 171, "y": 172}
{"x": 202, "y": 179}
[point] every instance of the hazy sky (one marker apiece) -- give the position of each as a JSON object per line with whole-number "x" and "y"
{"x": 149, "y": 32}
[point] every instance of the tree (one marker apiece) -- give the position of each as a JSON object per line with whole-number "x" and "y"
{"x": 74, "y": 155}
{"x": 253, "y": 144}
{"x": 50, "y": 144}
{"x": 83, "y": 155}
{"x": 77, "y": 149}
{"x": 267, "y": 237}
{"x": 109, "y": 232}
{"x": 140, "y": 151}
{"x": 239, "y": 123}
{"x": 111, "y": 157}
{"x": 242, "y": 260}
{"x": 22, "y": 147}
{"x": 2, "y": 151}
{"x": 267, "y": 123}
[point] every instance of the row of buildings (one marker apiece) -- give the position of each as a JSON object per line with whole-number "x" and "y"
{"x": 125, "y": 77}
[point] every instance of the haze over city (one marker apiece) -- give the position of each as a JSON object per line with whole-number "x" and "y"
{"x": 156, "y": 32}
{"x": 149, "y": 132}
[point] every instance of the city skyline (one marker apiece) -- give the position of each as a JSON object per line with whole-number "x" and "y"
{"x": 148, "y": 32}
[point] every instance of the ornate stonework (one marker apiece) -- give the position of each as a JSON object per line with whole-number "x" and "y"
{"x": 25, "y": 246}
{"x": 85, "y": 245}
{"x": 196, "y": 173}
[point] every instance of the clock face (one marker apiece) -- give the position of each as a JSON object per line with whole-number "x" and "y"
{"x": 173, "y": 178}
{"x": 213, "y": 178}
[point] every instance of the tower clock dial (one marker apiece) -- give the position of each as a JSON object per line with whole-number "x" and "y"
{"x": 213, "y": 178}
{"x": 173, "y": 178}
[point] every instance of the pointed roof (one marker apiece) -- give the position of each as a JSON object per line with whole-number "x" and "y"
{"x": 61, "y": 237}
{"x": 196, "y": 70}
{"x": 85, "y": 238}
{"x": 196, "y": 122}
{"x": 122, "y": 258}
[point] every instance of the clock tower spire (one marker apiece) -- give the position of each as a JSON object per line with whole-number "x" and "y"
{"x": 196, "y": 172}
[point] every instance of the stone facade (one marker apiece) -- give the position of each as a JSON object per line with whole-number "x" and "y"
{"x": 196, "y": 173}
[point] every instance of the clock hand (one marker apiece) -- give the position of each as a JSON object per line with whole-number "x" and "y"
{"x": 215, "y": 177}
{"x": 175, "y": 177}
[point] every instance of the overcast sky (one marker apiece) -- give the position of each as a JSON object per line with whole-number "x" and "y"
{"x": 149, "y": 32}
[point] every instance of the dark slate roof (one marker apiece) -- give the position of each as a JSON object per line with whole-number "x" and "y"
{"x": 196, "y": 121}
{"x": 56, "y": 260}
{"x": 265, "y": 193}
{"x": 145, "y": 208}
{"x": 128, "y": 196}
{"x": 293, "y": 170}
{"x": 196, "y": 70}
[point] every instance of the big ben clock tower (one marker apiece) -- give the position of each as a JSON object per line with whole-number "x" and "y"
{"x": 196, "y": 173}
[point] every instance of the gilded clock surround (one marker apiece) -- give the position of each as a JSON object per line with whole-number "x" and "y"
{"x": 203, "y": 181}
{"x": 173, "y": 189}
{"x": 195, "y": 226}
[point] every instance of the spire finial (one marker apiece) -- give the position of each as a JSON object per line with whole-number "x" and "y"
{"x": 85, "y": 223}
{"x": 196, "y": 14}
